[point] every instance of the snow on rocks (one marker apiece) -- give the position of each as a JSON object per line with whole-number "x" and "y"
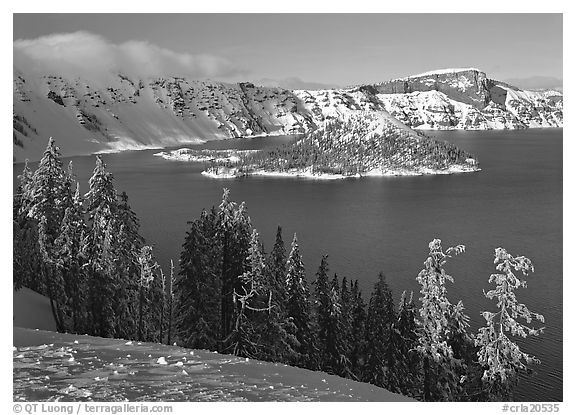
{"x": 161, "y": 361}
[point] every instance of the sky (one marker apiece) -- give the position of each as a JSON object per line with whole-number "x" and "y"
{"x": 296, "y": 50}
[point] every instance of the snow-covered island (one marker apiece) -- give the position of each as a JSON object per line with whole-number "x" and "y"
{"x": 366, "y": 145}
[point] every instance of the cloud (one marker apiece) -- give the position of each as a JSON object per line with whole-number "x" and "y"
{"x": 294, "y": 83}
{"x": 536, "y": 82}
{"x": 84, "y": 54}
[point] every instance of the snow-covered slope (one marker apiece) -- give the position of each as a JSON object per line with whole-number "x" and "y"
{"x": 118, "y": 113}
{"x": 134, "y": 114}
{"x": 50, "y": 366}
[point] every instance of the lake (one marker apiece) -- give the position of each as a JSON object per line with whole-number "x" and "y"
{"x": 384, "y": 224}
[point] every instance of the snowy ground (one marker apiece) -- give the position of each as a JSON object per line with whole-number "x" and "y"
{"x": 50, "y": 366}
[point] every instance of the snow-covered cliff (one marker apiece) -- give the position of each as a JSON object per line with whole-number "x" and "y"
{"x": 467, "y": 99}
{"x": 117, "y": 113}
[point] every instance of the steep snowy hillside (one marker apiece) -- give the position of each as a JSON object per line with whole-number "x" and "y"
{"x": 133, "y": 114}
{"x": 118, "y": 113}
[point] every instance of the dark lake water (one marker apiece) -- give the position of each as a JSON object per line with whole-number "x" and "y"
{"x": 384, "y": 224}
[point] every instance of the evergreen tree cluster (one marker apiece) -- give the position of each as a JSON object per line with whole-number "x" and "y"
{"x": 232, "y": 297}
{"x": 85, "y": 253}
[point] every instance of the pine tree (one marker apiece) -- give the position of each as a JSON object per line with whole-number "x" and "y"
{"x": 277, "y": 268}
{"x": 322, "y": 303}
{"x": 156, "y": 318}
{"x": 128, "y": 249}
{"x": 99, "y": 249}
{"x": 380, "y": 318}
{"x": 147, "y": 267}
{"x": 298, "y": 307}
{"x": 23, "y": 192}
{"x": 48, "y": 196}
{"x": 170, "y": 296}
{"x": 198, "y": 285}
{"x": 244, "y": 341}
{"x": 501, "y": 358}
{"x": 346, "y": 322}
{"x": 438, "y": 321}
{"x": 26, "y": 251}
{"x": 233, "y": 233}
{"x": 404, "y": 340}
{"x": 70, "y": 262}
{"x": 358, "y": 315}
{"x": 338, "y": 361}
{"x": 277, "y": 330}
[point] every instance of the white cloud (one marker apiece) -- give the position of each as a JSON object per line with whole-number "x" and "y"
{"x": 84, "y": 54}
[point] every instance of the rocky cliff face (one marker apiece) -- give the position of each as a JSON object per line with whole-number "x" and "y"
{"x": 120, "y": 113}
{"x": 469, "y": 86}
{"x": 467, "y": 99}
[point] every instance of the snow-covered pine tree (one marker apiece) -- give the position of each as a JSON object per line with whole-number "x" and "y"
{"x": 70, "y": 262}
{"x": 48, "y": 195}
{"x": 147, "y": 267}
{"x": 234, "y": 229}
{"x": 170, "y": 301}
{"x": 161, "y": 295}
{"x": 322, "y": 309}
{"x": 346, "y": 329}
{"x": 276, "y": 331}
{"x": 500, "y": 357}
{"x": 130, "y": 243}
{"x": 251, "y": 300}
{"x": 197, "y": 288}
{"x": 23, "y": 192}
{"x": 156, "y": 305}
{"x": 380, "y": 318}
{"x": 404, "y": 340}
{"x": 26, "y": 251}
{"x": 298, "y": 306}
{"x": 438, "y": 320}
{"x": 99, "y": 249}
{"x": 338, "y": 361}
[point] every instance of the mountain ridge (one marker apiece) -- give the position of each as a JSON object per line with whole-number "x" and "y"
{"x": 120, "y": 113}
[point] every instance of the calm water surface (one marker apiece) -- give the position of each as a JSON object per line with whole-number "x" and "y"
{"x": 384, "y": 224}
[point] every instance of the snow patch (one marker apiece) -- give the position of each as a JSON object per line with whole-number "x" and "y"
{"x": 161, "y": 361}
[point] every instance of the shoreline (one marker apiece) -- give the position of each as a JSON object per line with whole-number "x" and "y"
{"x": 303, "y": 174}
{"x": 202, "y": 141}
